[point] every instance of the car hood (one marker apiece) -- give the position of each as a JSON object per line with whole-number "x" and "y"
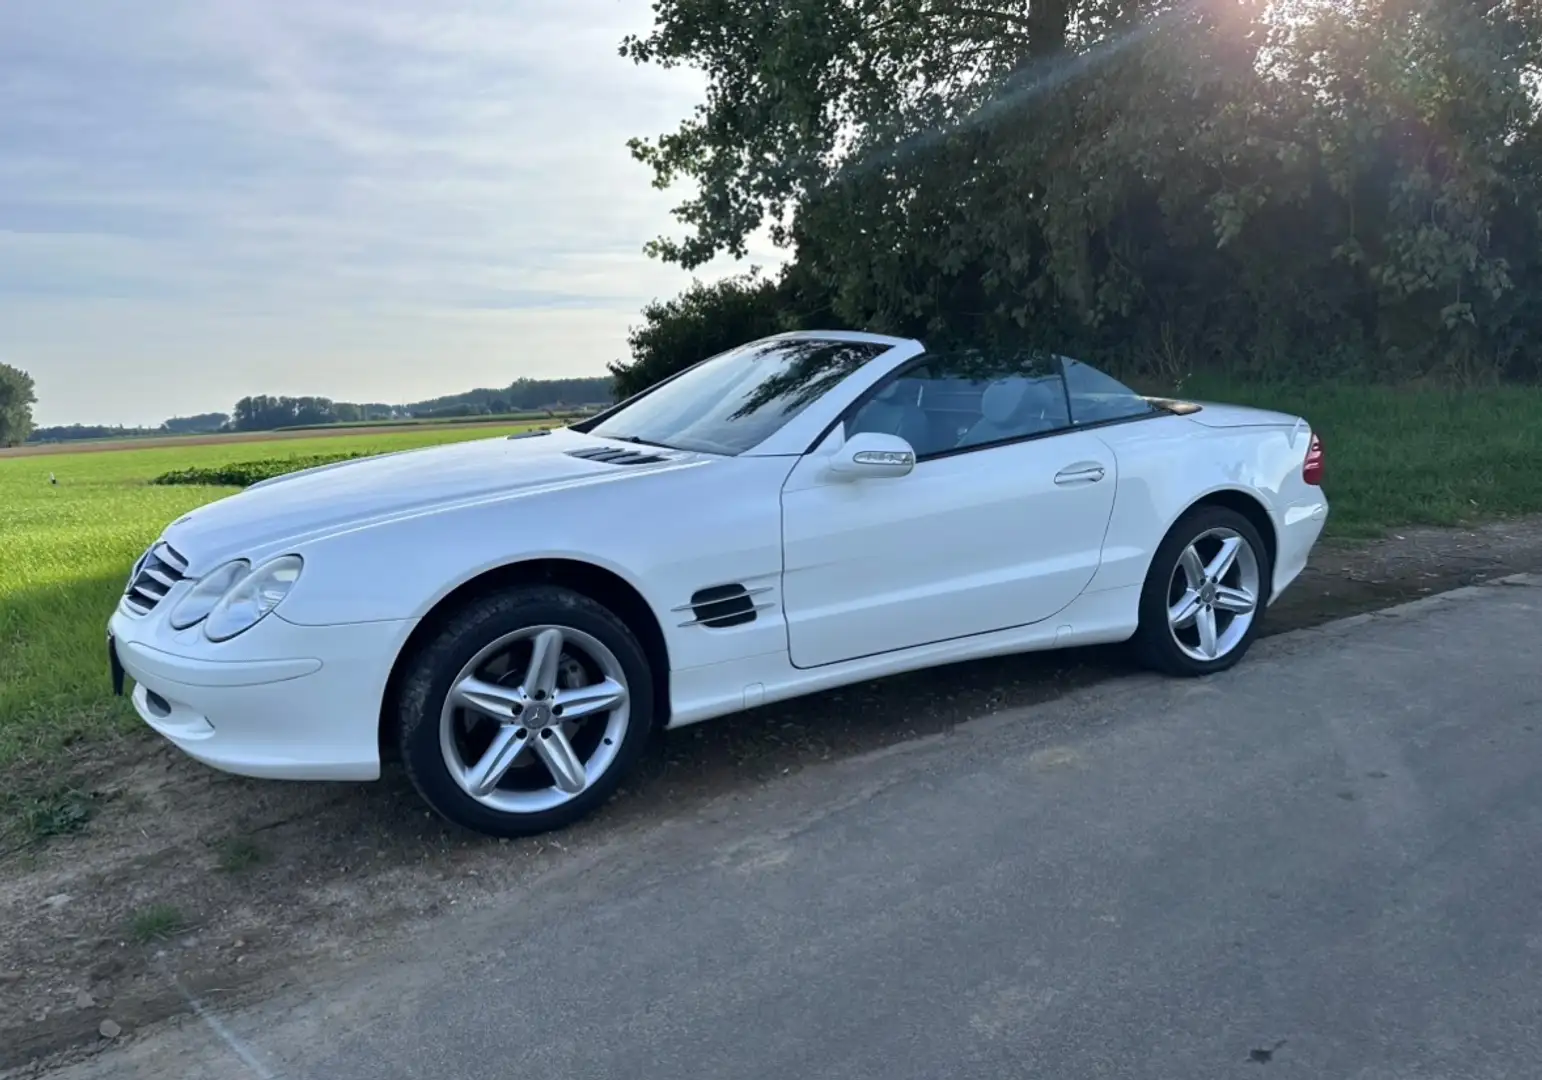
{"x": 303, "y": 506}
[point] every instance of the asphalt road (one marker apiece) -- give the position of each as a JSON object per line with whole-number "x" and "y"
{"x": 1327, "y": 863}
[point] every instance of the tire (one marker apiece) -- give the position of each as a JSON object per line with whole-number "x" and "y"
{"x": 1182, "y": 649}
{"x": 490, "y": 758}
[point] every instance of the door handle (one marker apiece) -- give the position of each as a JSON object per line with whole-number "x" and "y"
{"x": 1081, "y": 473}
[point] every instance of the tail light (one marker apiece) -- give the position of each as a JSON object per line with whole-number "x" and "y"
{"x": 1311, "y": 468}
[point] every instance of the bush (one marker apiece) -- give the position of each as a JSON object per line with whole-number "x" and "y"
{"x": 245, "y": 473}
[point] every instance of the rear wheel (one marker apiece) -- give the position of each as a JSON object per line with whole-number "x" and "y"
{"x": 525, "y": 711}
{"x": 1204, "y": 594}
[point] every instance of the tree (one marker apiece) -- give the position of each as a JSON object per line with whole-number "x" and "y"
{"x": 802, "y": 91}
{"x": 1159, "y": 185}
{"x": 203, "y": 422}
{"x": 707, "y": 319}
{"x": 16, "y": 400}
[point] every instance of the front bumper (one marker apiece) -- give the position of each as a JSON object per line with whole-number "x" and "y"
{"x": 282, "y": 701}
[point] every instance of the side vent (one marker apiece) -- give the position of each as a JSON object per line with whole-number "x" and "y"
{"x": 720, "y": 606}
{"x": 615, "y": 455}
{"x": 534, "y": 433}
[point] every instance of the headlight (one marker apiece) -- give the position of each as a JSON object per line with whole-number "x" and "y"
{"x": 209, "y": 590}
{"x": 258, "y": 593}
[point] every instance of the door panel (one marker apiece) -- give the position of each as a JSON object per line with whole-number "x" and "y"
{"x": 966, "y": 544}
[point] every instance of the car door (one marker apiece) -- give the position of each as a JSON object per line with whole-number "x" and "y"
{"x": 1000, "y": 523}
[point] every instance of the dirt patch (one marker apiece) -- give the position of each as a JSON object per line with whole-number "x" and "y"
{"x": 189, "y": 884}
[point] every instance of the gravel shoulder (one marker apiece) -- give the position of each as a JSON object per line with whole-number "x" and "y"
{"x": 192, "y": 886}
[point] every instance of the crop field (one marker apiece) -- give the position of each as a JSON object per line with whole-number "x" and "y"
{"x": 482, "y": 425}
{"x": 65, "y": 553}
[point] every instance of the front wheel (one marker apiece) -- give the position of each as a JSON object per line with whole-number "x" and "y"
{"x": 524, "y": 712}
{"x": 1204, "y": 594}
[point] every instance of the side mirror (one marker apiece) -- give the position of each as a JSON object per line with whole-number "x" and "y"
{"x": 870, "y": 454}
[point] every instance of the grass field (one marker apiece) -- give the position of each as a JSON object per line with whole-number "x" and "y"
{"x": 1394, "y": 457}
{"x": 230, "y": 438}
{"x": 65, "y": 553}
{"x": 1400, "y": 456}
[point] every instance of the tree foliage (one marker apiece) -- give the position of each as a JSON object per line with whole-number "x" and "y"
{"x": 708, "y": 319}
{"x": 16, "y": 400}
{"x": 264, "y": 412}
{"x": 196, "y": 425}
{"x": 1313, "y": 187}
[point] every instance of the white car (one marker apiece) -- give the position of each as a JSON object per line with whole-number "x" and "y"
{"x": 516, "y": 616}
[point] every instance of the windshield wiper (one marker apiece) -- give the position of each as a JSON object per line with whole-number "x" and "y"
{"x": 640, "y": 441}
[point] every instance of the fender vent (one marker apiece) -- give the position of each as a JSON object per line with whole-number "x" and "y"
{"x": 614, "y": 455}
{"x": 720, "y": 606}
{"x": 535, "y": 434}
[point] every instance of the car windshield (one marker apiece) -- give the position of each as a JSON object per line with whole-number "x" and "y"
{"x": 740, "y": 398}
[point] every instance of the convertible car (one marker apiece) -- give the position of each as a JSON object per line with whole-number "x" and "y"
{"x": 515, "y": 617}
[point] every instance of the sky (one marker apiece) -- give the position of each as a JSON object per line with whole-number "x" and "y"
{"x": 369, "y": 200}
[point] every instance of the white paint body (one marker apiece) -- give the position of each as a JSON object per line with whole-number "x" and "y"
{"x": 971, "y": 555}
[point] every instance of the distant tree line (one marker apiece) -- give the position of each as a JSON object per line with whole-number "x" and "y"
{"x": 73, "y": 432}
{"x": 265, "y": 412}
{"x": 196, "y": 425}
{"x": 521, "y": 395}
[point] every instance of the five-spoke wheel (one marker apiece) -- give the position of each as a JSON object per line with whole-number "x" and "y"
{"x": 524, "y": 710}
{"x": 1207, "y": 585}
{"x": 1213, "y": 594}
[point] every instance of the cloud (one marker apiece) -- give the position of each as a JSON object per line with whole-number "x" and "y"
{"x": 366, "y": 198}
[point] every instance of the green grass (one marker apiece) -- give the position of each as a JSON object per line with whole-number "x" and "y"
{"x": 41, "y": 811}
{"x": 65, "y": 553}
{"x": 237, "y": 853}
{"x": 156, "y": 923}
{"x": 1425, "y": 456}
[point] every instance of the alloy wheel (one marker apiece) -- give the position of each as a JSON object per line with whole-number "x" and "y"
{"x": 534, "y": 719}
{"x": 1213, "y": 594}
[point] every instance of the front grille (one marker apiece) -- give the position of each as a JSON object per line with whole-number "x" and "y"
{"x": 160, "y": 568}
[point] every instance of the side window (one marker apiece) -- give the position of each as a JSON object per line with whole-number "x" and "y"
{"x": 899, "y": 406}
{"x": 958, "y": 401}
{"x": 1096, "y": 397}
